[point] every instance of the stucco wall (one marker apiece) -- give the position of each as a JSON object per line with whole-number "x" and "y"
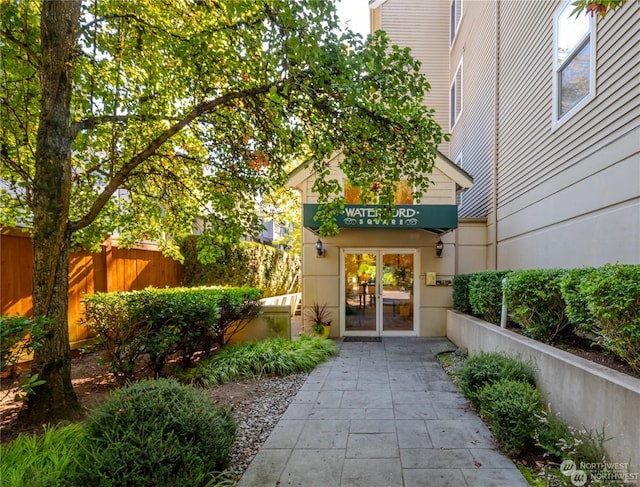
{"x": 464, "y": 251}
{"x": 588, "y": 215}
{"x": 321, "y": 279}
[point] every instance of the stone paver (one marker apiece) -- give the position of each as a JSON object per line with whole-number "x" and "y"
{"x": 381, "y": 414}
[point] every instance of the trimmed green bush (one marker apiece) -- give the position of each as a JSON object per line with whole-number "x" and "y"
{"x": 155, "y": 432}
{"x": 612, "y": 294}
{"x": 485, "y": 294}
{"x": 603, "y": 302}
{"x": 275, "y": 356}
{"x": 487, "y": 368}
{"x": 511, "y": 407}
{"x": 460, "y": 285}
{"x": 534, "y": 299}
{"x": 142, "y": 329}
{"x": 46, "y": 460}
{"x": 577, "y": 307}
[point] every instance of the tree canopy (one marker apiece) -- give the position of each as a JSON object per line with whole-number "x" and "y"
{"x": 143, "y": 117}
{"x": 189, "y": 109}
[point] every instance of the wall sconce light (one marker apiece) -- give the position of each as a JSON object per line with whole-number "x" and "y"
{"x": 319, "y": 248}
{"x": 439, "y": 248}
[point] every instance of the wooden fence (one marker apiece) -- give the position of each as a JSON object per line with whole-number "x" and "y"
{"x": 113, "y": 269}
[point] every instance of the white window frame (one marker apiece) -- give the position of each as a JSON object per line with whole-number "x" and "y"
{"x": 454, "y": 22}
{"x": 453, "y": 89}
{"x": 590, "y": 38}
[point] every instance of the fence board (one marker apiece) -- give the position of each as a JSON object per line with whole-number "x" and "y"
{"x": 113, "y": 269}
{"x": 15, "y": 278}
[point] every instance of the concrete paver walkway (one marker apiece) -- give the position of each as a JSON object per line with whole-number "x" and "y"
{"x": 381, "y": 414}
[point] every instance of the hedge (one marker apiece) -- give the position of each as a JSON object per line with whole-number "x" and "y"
{"x": 577, "y": 307}
{"x": 142, "y": 329}
{"x": 485, "y": 294}
{"x": 612, "y": 295}
{"x": 534, "y": 298}
{"x": 460, "y": 285}
{"x": 247, "y": 265}
{"x": 601, "y": 303}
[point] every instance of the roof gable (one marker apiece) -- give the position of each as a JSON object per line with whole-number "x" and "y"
{"x": 459, "y": 176}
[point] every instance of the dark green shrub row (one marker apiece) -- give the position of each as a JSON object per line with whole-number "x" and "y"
{"x": 534, "y": 298}
{"x": 511, "y": 408}
{"x": 502, "y": 389}
{"x": 154, "y": 432}
{"x": 144, "y": 328}
{"x": 602, "y": 302}
{"x": 460, "y": 285}
{"x": 576, "y": 303}
{"x": 247, "y": 265}
{"x": 18, "y": 335}
{"x": 612, "y": 296}
{"x": 482, "y": 369}
{"x": 485, "y": 294}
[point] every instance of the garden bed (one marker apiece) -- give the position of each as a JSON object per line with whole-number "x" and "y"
{"x": 585, "y": 349}
{"x": 92, "y": 383}
{"x": 254, "y": 381}
{"x": 584, "y": 393}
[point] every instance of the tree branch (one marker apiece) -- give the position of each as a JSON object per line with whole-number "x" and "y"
{"x": 91, "y": 122}
{"x": 15, "y": 166}
{"x": 32, "y": 57}
{"x": 121, "y": 175}
{"x": 131, "y": 18}
{"x": 153, "y": 27}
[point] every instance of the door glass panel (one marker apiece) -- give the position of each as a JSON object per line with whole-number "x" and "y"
{"x": 397, "y": 292}
{"x": 360, "y": 292}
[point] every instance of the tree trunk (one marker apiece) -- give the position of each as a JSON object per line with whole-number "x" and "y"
{"x": 50, "y": 201}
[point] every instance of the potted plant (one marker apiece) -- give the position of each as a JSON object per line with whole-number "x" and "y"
{"x": 319, "y": 316}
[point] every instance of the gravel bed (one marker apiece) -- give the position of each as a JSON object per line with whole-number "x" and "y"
{"x": 257, "y": 416}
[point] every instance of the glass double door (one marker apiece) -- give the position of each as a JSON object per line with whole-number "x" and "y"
{"x": 378, "y": 295}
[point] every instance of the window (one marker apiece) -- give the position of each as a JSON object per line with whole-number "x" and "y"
{"x": 455, "y": 16}
{"x": 574, "y": 62}
{"x": 455, "y": 106}
{"x": 403, "y": 196}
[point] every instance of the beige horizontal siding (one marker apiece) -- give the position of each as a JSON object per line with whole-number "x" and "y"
{"x": 424, "y": 27}
{"x": 441, "y": 191}
{"x": 531, "y": 152}
{"x": 524, "y": 92}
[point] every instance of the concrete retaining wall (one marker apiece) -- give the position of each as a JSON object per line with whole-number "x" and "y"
{"x": 582, "y": 392}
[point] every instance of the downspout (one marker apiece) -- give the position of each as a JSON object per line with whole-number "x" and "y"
{"x": 495, "y": 132}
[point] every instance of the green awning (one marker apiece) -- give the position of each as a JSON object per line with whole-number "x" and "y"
{"x": 433, "y": 218}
